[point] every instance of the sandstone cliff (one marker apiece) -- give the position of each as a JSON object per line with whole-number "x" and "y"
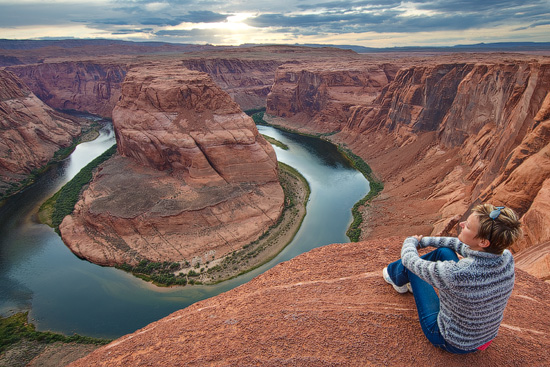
{"x": 85, "y": 86}
{"x": 248, "y": 82}
{"x": 30, "y": 132}
{"x": 194, "y": 180}
{"x": 319, "y": 96}
{"x": 442, "y": 136}
{"x": 328, "y": 307}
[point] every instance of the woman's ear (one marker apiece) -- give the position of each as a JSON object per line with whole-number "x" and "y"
{"x": 484, "y": 243}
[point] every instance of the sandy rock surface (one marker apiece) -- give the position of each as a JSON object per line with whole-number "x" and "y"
{"x": 328, "y": 307}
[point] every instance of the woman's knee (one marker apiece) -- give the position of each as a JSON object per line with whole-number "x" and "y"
{"x": 445, "y": 253}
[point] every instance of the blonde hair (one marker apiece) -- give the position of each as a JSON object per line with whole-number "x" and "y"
{"x": 502, "y": 232}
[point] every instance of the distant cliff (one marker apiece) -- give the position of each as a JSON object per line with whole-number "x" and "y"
{"x": 248, "y": 82}
{"x": 85, "y": 86}
{"x": 193, "y": 177}
{"x": 95, "y": 86}
{"x": 30, "y": 132}
{"x": 319, "y": 95}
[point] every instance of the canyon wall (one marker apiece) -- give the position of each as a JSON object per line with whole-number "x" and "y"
{"x": 442, "y": 136}
{"x": 319, "y": 96}
{"x": 95, "y": 86}
{"x": 193, "y": 178}
{"x": 30, "y": 132}
{"x": 248, "y": 82}
{"x": 87, "y": 86}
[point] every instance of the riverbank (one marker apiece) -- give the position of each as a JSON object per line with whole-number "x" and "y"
{"x": 360, "y": 208}
{"x": 271, "y": 243}
{"x": 90, "y": 131}
{"x": 22, "y": 345}
{"x": 250, "y": 257}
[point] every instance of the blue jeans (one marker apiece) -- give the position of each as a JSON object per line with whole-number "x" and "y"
{"x": 427, "y": 301}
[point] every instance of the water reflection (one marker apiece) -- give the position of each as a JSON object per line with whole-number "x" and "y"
{"x": 66, "y": 294}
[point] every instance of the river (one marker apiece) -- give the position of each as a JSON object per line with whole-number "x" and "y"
{"x": 62, "y": 293}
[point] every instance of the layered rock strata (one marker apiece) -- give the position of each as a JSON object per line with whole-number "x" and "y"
{"x": 85, "y": 86}
{"x": 248, "y": 82}
{"x": 442, "y": 136}
{"x": 319, "y": 96}
{"x": 193, "y": 179}
{"x": 30, "y": 132}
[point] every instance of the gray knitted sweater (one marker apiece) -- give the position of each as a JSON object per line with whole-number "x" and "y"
{"x": 473, "y": 292}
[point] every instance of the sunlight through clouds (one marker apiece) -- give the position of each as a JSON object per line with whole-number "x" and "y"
{"x": 360, "y": 22}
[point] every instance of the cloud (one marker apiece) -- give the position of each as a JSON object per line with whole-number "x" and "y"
{"x": 335, "y": 5}
{"x": 393, "y": 16}
{"x": 317, "y": 20}
{"x": 203, "y": 21}
{"x": 476, "y": 6}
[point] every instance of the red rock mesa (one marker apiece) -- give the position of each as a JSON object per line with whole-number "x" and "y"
{"x": 193, "y": 177}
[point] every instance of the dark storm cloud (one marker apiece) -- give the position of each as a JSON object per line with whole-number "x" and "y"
{"x": 191, "y": 17}
{"x": 476, "y": 5}
{"x": 29, "y": 14}
{"x": 389, "y": 16}
{"x": 98, "y": 16}
{"x": 166, "y": 17}
{"x": 378, "y": 4}
{"x": 308, "y": 20}
{"x": 389, "y": 22}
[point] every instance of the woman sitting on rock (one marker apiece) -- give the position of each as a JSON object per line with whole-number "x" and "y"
{"x": 473, "y": 290}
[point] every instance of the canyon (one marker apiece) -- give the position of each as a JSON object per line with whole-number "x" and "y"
{"x": 443, "y": 136}
{"x": 442, "y": 132}
{"x": 31, "y": 133}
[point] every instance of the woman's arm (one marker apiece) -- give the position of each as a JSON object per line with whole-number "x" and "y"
{"x": 450, "y": 242}
{"x": 439, "y": 274}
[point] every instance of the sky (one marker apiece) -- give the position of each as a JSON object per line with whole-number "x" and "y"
{"x": 370, "y": 23}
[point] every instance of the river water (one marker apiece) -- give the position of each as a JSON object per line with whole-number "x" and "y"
{"x": 62, "y": 293}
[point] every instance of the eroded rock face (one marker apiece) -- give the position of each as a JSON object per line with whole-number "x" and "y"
{"x": 193, "y": 177}
{"x": 248, "y": 82}
{"x": 30, "y": 132}
{"x": 319, "y": 96}
{"x": 181, "y": 121}
{"x": 443, "y": 136}
{"x": 85, "y": 86}
{"x": 327, "y": 307}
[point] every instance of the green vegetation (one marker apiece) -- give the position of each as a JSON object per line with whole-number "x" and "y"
{"x": 16, "y": 328}
{"x": 258, "y": 118}
{"x": 162, "y": 274}
{"x": 376, "y": 186}
{"x": 89, "y": 134}
{"x": 253, "y": 249}
{"x": 254, "y": 111}
{"x": 275, "y": 142}
{"x": 62, "y": 202}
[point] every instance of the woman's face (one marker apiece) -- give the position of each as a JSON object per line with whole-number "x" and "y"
{"x": 468, "y": 233}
